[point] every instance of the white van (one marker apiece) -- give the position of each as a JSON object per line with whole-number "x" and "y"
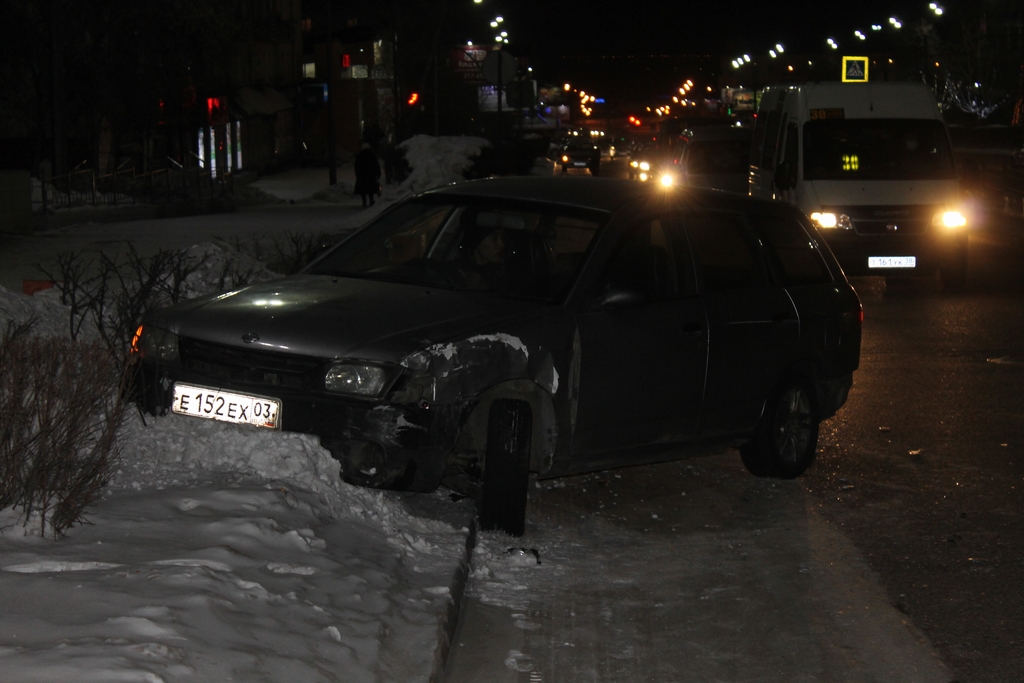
{"x": 872, "y": 165}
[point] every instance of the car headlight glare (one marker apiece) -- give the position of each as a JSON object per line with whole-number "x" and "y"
{"x": 152, "y": 343}
{"x": 643, "y": 176}
{"x": 824, "y": 220}
{"x": 355, "y": 379}
{"x": 634, "y": 164}
{"x": 644, "y": 166}
{"x": 950, "y": 219}
{"x": 565, "y": 158}
{"x": 667, "y": 180}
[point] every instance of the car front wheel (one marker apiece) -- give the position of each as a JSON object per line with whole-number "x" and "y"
{"x": 786, "y": 438}
{"x": 506, "y": 466}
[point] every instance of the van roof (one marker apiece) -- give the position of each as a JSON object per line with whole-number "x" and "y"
{"x": 880, "y": 100}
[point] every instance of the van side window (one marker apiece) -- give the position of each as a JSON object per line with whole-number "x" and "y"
{"x": 776, "y": 124}
{"x": 791, "y": 250}
{"x": 724, "y": 251}
{"x": 792, "y": 144}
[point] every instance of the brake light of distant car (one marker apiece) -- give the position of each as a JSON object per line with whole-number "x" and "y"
{"x": 152, "y": 343}
{"x": 355, "y": 379}
{"x": 949, "y": 219}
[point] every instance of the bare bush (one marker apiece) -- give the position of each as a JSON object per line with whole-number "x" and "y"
{"x": 287, "y": 254}
{"x": 61, "y": 405}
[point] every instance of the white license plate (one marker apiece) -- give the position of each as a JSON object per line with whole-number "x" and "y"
{"x": 226, "y": 406}
{"x": 892, "y": 262}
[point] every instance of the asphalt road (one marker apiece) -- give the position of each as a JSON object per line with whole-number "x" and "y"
{"x": 923, "y": 469}
{"x": 901, "y": 545}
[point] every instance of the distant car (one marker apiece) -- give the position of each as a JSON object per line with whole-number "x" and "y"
{"x": 714, "y": 157}
{"x": 643, "y": 161}
{"x": 581, "y": 153}
{"x": 479, "y": 333}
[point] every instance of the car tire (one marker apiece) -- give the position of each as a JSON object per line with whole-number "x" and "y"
{"x": 786, "y": 438}
{"x": 506, "y": 466}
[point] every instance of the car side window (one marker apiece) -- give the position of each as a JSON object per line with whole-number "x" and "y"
{"x": 648, "y": 259}
{"x": 793, "y": 253}
{"x": 724, "y": 252}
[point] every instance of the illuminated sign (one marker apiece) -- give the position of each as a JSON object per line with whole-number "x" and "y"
{"x": 855, "y": 69}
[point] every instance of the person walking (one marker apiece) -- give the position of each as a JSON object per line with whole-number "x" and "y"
{"x": 367, "y": 174}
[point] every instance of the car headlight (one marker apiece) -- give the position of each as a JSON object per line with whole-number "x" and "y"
{"x": 949, "y": 219}
{"x": 565, "y": 158}
{"x": 643, "y": 176}
{"x": 152, "y": 343}
{"x": 829, "y": 220}
{"x": 634, "y": 164}
{"x": 644, "y": 166}
{"x": 356, "y": 379}
{"x": 667, "y": 180}
{"x": 824, "y": 220}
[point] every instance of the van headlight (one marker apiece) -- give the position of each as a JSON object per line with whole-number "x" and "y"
{"x": 949, "y": 219}
{"x": 829, "y": 220}
{"x": 357, "y": 379}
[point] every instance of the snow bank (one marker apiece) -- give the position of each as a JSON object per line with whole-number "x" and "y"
{"x": 438, "y": 161}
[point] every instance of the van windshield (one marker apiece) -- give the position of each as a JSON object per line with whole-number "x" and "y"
{"x": 877, "y": 149}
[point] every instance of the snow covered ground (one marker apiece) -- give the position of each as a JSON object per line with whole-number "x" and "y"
{"x": 222, "y": 553}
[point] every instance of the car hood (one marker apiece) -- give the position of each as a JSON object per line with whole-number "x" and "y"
{"x": 329, "y": 317}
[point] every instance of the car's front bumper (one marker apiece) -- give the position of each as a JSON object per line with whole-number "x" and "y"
{"x": 931, "y": 251}
{"x": 380, "y": 444}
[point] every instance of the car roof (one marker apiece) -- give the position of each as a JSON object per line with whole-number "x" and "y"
{"x": 602, "y": 194}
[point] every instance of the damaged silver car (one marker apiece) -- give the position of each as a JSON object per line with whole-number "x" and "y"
{"x": 479, "y": 333}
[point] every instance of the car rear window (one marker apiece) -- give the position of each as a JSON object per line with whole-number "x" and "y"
{"x": 792, "y": 251}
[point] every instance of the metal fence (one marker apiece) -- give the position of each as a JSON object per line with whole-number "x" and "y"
{"x": 126, "y": 187}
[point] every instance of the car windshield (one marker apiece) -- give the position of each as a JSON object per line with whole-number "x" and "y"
{"x": 877, "y": 149}
{"x": 718, "y": 156}
{"x": 516, "y": 250}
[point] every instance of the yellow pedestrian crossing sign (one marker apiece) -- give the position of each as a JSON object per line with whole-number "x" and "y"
{"x": 855, "y": 69}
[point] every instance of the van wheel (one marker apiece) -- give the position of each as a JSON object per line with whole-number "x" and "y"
{"x": 786, "y": 439}
{"x": 506, "y": 466}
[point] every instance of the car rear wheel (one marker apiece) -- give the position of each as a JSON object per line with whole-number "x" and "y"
{"x": 786, "y": 438}
{"x": 506, "y": 466}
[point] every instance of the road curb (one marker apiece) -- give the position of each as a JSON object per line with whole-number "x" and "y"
{"x": 450, "y": 621}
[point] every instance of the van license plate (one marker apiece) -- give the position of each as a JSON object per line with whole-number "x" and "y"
{"x": 892, "y": 262}
{"x": 225, "y": 406}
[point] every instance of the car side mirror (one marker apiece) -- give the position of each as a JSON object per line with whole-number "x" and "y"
{"x": 618, "y": 295}
{"x": 785, "y": 175}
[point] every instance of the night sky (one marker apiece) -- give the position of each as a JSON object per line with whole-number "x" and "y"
{"x": 554, "y": 27}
